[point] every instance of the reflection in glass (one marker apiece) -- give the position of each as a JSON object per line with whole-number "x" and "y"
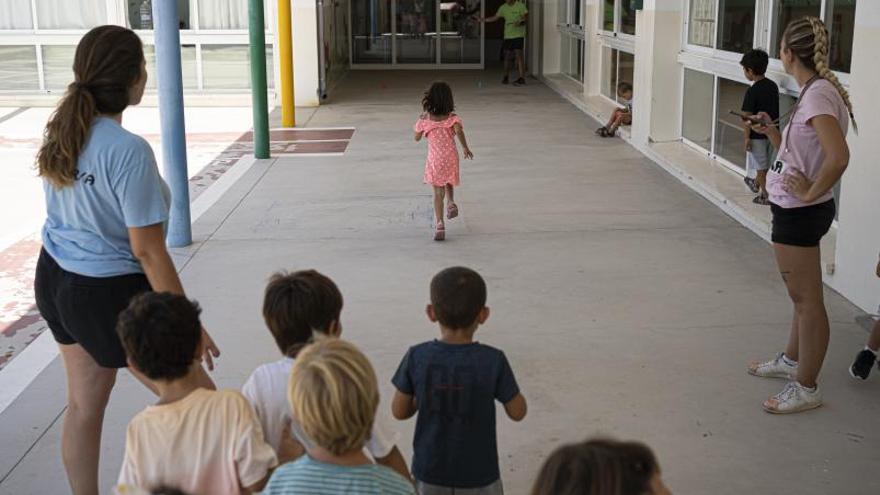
{"x": 371, "y": 31}
{"x": 187, "y": 62}
{"x": 58, "y": 66}
{"x": 843, "y": 19}
{"x": 625, "y": 70}
{"x": 67, "y": 14}
{"x": 416, "y": 35}
{"x": 228, "y": 67}
{"x": 572, "y": 57}
{"x": 609, "y": 73}
{"x": 697, "y": 108}
{"x": 19, "y": 68}
{"x": 791, "y": 10}
{"x": 701, "y": 24}
{"x": 16, "y": 14}
{"x": 460, "y": 32}
{"x": 608, "y": 19}
{"x": 627, "y": 17}
{"x": 729, "y": 134}
{"x": 736, "y": 25}
{"x": 140, "y": 14}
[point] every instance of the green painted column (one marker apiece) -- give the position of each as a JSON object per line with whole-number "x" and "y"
{"x": 259, "y": 91}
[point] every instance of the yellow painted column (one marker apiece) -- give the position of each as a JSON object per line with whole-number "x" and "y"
{"x": 285, "y": 53}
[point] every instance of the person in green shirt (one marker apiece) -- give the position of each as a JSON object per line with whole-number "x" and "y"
{"x": 515, "y": 15}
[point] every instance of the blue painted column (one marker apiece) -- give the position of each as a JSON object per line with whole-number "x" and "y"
{"x": 170, "y": 81}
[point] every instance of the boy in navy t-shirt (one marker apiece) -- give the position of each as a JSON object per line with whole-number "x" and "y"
{"x": 453, "y": 383}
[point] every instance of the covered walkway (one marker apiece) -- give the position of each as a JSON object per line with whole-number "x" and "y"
{"x": 627, "y": 305}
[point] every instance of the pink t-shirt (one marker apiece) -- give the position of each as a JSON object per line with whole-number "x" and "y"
{"x": 803, "y": 151}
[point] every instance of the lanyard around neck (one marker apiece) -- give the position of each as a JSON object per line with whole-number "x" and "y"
{"x": 794, "y": 110}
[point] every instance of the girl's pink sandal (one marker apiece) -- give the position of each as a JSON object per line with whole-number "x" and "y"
{"x": 451, "y": 211}
{"x": 439, "y": 232}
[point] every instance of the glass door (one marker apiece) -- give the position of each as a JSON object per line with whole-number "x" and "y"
{"x": 415, "y": 39}
{"x": 371, "y": 32}
{"x": 461, "y": 34}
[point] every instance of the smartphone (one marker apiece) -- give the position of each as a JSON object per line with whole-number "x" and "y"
{"x": 751, "y": 118}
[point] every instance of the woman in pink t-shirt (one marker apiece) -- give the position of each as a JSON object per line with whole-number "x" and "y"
{"x": 812, "y": 155}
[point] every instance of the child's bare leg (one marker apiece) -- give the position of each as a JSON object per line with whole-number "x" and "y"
{"x": 613, "y": 118}
{"x": 439, "y": 193}
{"x": 618, "y": 119}
{"x": 450, "y": 193}
{"x": 874, "y": 338}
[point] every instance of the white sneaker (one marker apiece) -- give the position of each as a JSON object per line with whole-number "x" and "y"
{"x": 775, "y": 368}
{"x": 793, "y": 398}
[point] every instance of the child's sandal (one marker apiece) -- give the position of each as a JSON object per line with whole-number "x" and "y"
{"x": 601, "y": 131}
{"x": 451, "y": 211}
{"x": 439, "y": 232}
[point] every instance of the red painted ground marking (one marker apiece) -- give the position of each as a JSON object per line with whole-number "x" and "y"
{"x": 319, "y": 147}
{"x": 303, "y": 135}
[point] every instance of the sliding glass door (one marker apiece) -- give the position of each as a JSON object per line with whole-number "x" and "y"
{"x": 416, "y": 33}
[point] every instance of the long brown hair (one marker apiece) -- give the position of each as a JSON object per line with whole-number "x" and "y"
{"x": 597, "y": 467}
{"x": 106, "y": 65}
{"x": 807, "y": 39}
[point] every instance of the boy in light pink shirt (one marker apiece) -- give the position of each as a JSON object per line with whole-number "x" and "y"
{"x": 193, "y": 439}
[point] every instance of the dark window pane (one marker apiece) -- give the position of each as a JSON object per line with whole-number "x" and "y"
{"x": 791, "y": 10}
{"x": 729, "y": 134}
{"x": 736, "y": 25}
{"x": 627, "y": 17}
{"x": 843, "y": 18}
{"x": 608, "y": 19}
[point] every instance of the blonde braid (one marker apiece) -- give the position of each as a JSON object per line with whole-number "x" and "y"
{"x": 820, "y": 59}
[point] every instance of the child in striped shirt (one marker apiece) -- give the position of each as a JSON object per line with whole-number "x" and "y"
{"x": 334, "y": 394}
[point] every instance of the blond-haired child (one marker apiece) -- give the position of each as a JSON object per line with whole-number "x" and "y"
{"x": 334, "y": 395}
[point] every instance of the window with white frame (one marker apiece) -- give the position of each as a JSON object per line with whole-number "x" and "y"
{"x": 571, "y": 30}
{"x": 617, "y": 67}
{"x": 737, "y": 25}
{"x": 619, "y": 16}
{"x": 214, "y": 52}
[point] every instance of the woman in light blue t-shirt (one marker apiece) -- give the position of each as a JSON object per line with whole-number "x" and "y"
{"x": 104, "y": 236}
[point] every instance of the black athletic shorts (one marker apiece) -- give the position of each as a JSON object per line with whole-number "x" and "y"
{"x": 513, "y": 44}
{"x": 83, "y": 310}
{"x": 804, "y": 226}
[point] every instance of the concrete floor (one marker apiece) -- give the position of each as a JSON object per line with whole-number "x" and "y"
{"x": 627, "y": 305}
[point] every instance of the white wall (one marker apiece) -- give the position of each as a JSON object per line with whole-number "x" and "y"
{"x": 551, "y": 39}
{"x": 858, "y": 238}
{"x": 305, "y": 52}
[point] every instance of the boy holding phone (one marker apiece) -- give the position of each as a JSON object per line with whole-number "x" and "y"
{"x": 762, "y": 96}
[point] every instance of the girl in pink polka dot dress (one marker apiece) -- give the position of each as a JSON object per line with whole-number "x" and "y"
{"x": 440, "y": 125}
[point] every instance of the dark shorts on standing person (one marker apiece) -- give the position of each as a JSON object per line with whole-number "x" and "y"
{"x": 83, "y": 310}
{"x": 804, "y": 226}
{"x": 510, "y": 45}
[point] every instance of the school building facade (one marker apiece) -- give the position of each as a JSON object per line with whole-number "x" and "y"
{"x": 681, "y": 56}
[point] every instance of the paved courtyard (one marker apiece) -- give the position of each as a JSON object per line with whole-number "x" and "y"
{"x": 627, "y": 305}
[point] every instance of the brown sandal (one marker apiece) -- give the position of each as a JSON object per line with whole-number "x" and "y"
{"x": 451, "y": 211}
{"x": 439, "y": 232}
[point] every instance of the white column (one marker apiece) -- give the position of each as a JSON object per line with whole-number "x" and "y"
{"x": 551, "y": 50}
{"x": 305, "y": 52}
{"x": 593, "y": 48}
{"x": 858, "y": 236}
{"x": 657, "y": 80}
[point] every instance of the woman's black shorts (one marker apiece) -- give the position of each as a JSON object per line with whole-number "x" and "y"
{"x": 804, "y": 226}
{"x": 83, "y": 310}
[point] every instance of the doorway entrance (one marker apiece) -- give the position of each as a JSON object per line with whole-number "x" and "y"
{"x": 416, "y": 34}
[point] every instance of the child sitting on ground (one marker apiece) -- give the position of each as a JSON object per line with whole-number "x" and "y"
{"x": 620, "y": 116}
{"x": 296, "y": 308}
{"x": 198, "y": 440}
{"x": 452, "y": 384}
{"x": 600, "y": 467}
{"x": 333, "y": 394}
